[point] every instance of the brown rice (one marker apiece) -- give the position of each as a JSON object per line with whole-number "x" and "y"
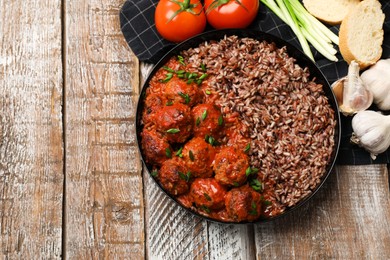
{"x": 288, "y": 117}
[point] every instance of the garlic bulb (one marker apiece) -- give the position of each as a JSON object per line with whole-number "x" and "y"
{"x": 371, "y": 130}
{"x": 377, "y": 80}
{"x": 351, "y": 93}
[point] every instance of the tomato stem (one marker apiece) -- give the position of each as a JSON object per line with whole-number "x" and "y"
{"x": 185, "y": 6}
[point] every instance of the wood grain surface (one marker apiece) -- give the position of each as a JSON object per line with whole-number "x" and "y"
{"x": 104, "y": 197}
{"x": 71, "y": 179}
{"x": 31, "y": 147}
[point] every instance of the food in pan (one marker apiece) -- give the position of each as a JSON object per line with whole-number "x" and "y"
{"x": 236, "y": 130}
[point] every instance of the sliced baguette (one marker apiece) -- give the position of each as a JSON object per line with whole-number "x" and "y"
{"x": 361, "y": 34}
{"x": 331, "y": 11}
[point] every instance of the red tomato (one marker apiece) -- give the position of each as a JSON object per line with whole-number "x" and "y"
{"x": 223, "y": 14}
{"x": 178, "y": 20}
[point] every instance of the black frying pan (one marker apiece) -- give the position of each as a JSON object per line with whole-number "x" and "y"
{"x": 301, "y": 59}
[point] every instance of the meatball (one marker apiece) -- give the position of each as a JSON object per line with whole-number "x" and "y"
{"x": 230, "y": 166}
{"x": 174, "y": 176}
{"x": 153, "y": 102}
{"x": 155, "y": 146}
{"x": 175, "y": 122}
{"x": 178, "y": 91}
{"x": 199, "y": 157}
{"x": 208, "y": 194}
{"x": 207, "y": 120}
{"x": 243, "y": 204}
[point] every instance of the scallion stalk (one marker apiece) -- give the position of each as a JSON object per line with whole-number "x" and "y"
{"x": 314, "y": 22}
{"x": 305, "y": 26}
{"x": 292, "y": 22}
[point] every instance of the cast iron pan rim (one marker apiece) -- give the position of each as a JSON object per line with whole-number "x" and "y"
{"x": 302, "y": 60}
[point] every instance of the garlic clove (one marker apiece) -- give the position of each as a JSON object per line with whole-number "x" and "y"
{"x": 338, "y": 89}
{"x": 351, "y": 93}
{"x": 371, "y": 130}
{"x": 377, "y": 81}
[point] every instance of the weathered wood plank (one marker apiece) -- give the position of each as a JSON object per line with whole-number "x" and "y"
{"x": 104, "y": 197}
{"x": 173, "y": 233}
{"x": 31, "y": 145}
{"x": 349, "y": 218}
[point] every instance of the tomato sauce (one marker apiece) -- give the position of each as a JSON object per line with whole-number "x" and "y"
{"x": 199, "y": 153}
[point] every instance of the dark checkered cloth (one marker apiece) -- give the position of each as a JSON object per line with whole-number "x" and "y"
{"x": 137, "y": 24}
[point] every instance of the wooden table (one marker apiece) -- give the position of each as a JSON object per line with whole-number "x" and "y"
{"x": 71, "y": 179}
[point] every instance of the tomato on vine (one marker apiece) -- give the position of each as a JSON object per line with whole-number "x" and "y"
{"x": 178, "y": 20}
{"x": 222, "y": 14}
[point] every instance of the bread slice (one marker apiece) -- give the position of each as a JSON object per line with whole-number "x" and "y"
{"x": 330, "y": 11}
{"x": 361, "y": 34}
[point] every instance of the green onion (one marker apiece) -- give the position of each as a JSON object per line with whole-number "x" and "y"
{"x": 168, "y": 69}
{"x": 205, "y": 208}
{"x": 197, "y": 122}
{"x": 306, "y": 27}
{"x": 191, "y": 155}
{"x": 207, "y": 196}
{"x": 178, "y": 153}
{"x": 251, "y": 170}
{"x": 168, "y": 153}
{"x": 208, "y": 92}
{"x": 247, "y": 147}
{"x": 211, "y": 140}
{"x": 253, "y": 210}
{"x": 173, "y": 131}
{"x": 181, "y": 60}
{"x": 186, "y": 97}
{"x": 203, "y": 76}
{"x": 204, "y": 114}
{"x": 154, "y": 173}
{"x": 220, "y": 120}
{"x": 256, "y": 185}
{"x": 185, "y": 176}
{"x": 168, "y": 76}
